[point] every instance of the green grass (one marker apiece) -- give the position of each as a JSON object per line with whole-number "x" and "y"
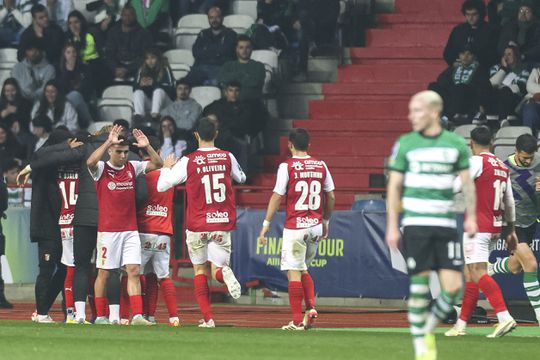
{"x": 26, "y": 340}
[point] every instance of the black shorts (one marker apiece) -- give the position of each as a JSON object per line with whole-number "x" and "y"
{"x": 525, "y": 235}
{"x": 432, "y": 248}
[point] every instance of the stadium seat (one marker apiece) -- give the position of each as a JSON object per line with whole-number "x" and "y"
{"x": 8, "y": 55}
{"x": 270, "y": 60}
{"x": 118, "y": 92}
{"x": 239, "y": 23}
{"x": 110, "y": 110}
{"x": 512, "y": 132}
{"x": 503, "y": 151}
{"x": 188, "y": 28}
{"x": 465, "y": 130}
{"x": 244, "y": 7}
{"x": 508, "y": 141}
{"x": 369, "y": 205}
{"x": 80, "y": 5}
{"x": 94, "y": 127}
{"x": 205, "y": 95}
{"x": 4, "y": 74}
{"x": 180, "y": 59}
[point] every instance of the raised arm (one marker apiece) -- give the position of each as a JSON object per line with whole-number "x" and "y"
{"x": 92, "y": 161}
{"x": 143, "y": 143}
{"x": 173, "y": 173}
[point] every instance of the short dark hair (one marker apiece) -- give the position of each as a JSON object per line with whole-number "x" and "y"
{"x": 243, "y": 37}
{"x": 33, "y": 43}
{"x": 59, "y": 135}
{"x": 10, "y": 164}
{"x": 37, "y": 9}
{"x": 43, "y": 121}
{"x": 183, "y": 81}
{"x": 206, "y": 128}
{"x": 299, "y": 138}
{"x": 122, "y": 122}
{"x": 124, "y": 141}
{"x": 481, "y": 135}
{"x": 234, "y": 83}
{"x": 477, "y": 5}
{"x": 526, "y": 143}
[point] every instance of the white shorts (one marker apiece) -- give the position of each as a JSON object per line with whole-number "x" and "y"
{"x": 300, "y": 247}
{"x": 477, "y": 248}
{"x": 67, "y": 246}
{"x": 156, "y": 250}
{"x": 116, "y": 249}
{"x": 213, "y": 246}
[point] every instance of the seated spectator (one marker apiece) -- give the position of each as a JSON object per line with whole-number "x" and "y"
{"x": 475, "y": 33}
{"x": 58, "y": 11}
{"x": 213, "y": 48}
{"x": 509, "y": 81}
{"x": 126, "y": 43}
{"x": 524, "y": 32}
{"x": 531, "y": 109}
{"x": 184, "y": 110}
{"x": 41, "y": 128}
{"x": 10, "y": 148}
{"x": 249, "y": 73}
{"x": 463, "y": 88}
{"x": 152, "y": 15}
{"x": 15, "y": 17}
{"x": 276, "y": 16}
{"x": 54, "y": 105}
{"x": 108, "y": 12}
{"x": 14, "y": 108}
{"x": 154, "y": 85}
{"x": 73, "y": 81}
{"x": 48, "y": 33}
{"x": 501, "y": 12}
{"x": 172, "y": 141}
{"x": 11, "y": 169}
{"x": 124, "y": 124}
{"x": 33, "y": 72}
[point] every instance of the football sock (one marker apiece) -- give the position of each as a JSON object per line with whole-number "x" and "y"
{"x": 151, "y": 294}
{"x": 202, "y": 293}
{"x": 296, "y": 295}
{"x": 418, "y": 310}
{"x": 91, "y": 300}
{"x": 219, "y": 275}
{"x": 143, "y": 294}
{"x": 440, "y": 310}
{"x": 501, "y": 266}
{"x": 107, "y": 313}
{"x": 493, "y": 293}
{"x": 309, "y": 291}
{"x": 136, "y": 303}
{"x": 124, "y": 299}
{"x": 68, "y": 287}
{"x": 101, "y": 306}
{"x": 169, "y": 295}
{"x": 470, "y": 299}
{"x": 114, "y": 312}
{"x": 80, "y": 310}
{"x": 532, "y": 288}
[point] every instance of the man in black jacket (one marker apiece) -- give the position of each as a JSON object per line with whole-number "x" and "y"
{"x": 4, "y": 304}
{"x": 523, "y": 32}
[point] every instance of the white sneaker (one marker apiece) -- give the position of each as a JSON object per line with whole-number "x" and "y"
{"x": 207, "y": 324}
{"x": 175, "y": 321}
{"x": 124, "y": 321}
{"x": 139, "y": 320}
{"x": 490, "y": 269}
{"x": 454, "y": 331}
{"x": 44, "y": 319}
{"x": 232, "y": 284}
{"x": 310, "y": 316}
{"x": 291, "y": 326}
{"x": 33, "y": 317}
{"x": 503, "y": 328}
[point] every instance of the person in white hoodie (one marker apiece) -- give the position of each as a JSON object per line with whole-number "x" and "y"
{"x": 15, "y": 16}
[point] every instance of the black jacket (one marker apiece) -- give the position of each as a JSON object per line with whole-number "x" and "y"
{"x": 483, "y": 41}
{"x": 52, "y": 42}
{"x": 531, "y": 49}
{"x": 238, "y": 118}
{"x": 210, "y": 49}
{"x": 126, "y": 49}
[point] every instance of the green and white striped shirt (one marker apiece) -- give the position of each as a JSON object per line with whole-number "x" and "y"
{"x": 430, "y": 165}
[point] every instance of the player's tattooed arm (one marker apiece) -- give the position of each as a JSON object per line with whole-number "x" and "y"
{"x": 273, "y": 207}
{"x": 469, "y": 190}
{"x": 393, "y": 200}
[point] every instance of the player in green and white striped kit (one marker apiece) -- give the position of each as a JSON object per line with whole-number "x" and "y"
{"x": 423, "y": 167}
{"x": 524, "y": 172}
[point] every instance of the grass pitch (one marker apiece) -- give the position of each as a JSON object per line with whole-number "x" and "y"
{"x": 26, "y": 340}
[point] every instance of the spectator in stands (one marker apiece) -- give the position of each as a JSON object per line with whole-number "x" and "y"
{"x": 249, "y": 73}
{"x": 524, "y": 32}
{"x": 277, "y": 17}
{"x": 14, "y": 108}
{"x": 108, "y": 12}
{"x": 48, "y": 33}
{"x": 500, "y": 12}
{"x": 54, "y": 104}
{"x": 15, "y": 16}
{"x": 184, "y": 110}
{"x": 10, "y": 148}
{"x": 474, "y": 32}
{"x": 126, "y": 43}
{"x": 531, "y": 109}
{"x": 152, "y": 15}
{"x": 171, "y": 140}
{"x": 33, "y": 72}
{"x": 4, "y": 304}
{"x": 509, "y": 81}
{"x": 153, "y": 87}
{"x": 58, "y": 11}
{"x": 15, "y": 195}
{"x": 41, "y": 128}
{"x": 72, "y": 78}
{"x": 463, "y": 88}
{"x": 213, "y": 48}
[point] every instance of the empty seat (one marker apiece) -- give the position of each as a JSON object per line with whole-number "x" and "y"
{"x": 179, "y": 73}
{"x": 189, "y": 26}
{"x": 193, "y": 21}
{"x": 245, "y": 7}
{"x": 111, "y": 112}
{"x": 239, "y": 23}
{"x": 118, "y": 92}
{"x": 465, "y": 130}
{"x": 271, "y": 64}
{"x": 180, "y": 59}
{"x": 503, "y": 151}
{"x": 80, "y": 5}
{"x": 8, "y": 55}
{"x": 205, "y": 95}
{"x": 512, "y": 132}
{"x": 94, "y": 127}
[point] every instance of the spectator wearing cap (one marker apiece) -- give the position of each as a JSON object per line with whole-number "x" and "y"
{"x": 474, "y": 32}
{"x": 15, "y": 16}
{"x": 213, "y": 48}
{"x": 184, "y": 110}
{"x": 48, "y": 33}
{"x": 41, "y": 128}
{"x": 249, "y": 73}
{"x": 33, "y": 72}
{"x": 524, "y": 32}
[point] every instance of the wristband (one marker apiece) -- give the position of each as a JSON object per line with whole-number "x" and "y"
{"x": 326, "y": 222}
{"x": 266, "y": 223}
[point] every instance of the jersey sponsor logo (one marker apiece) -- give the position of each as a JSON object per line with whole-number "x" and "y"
{"x": 306, "y": 222}
{"x": 217, "y": 217}
{"x": 419, "y": 167}
{"x": 217, "y": 156}
{"x": 199, "y": 160}
{"x": 66, "y": 219}
{"x": 157, "y": 210}
{"x": 297, "y": 165}
{"x": 127, "y": 185}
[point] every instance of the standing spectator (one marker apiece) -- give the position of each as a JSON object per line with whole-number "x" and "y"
{"x": 58, "y": 11}
{"x": 14, "y": 18}
{"x": 126, "y": 43}
{"x": 41, "y": 128}
{"x": 277, "y": 18}
{"x": 34, "y": 71}
{"x": 531, "y": 109}
{"x": 152, "y": 15}
{"x": 154, "y": 85}
{"x": 184, "y": 110}
{"x": 10, "y": 148}
{"x": 213, "y": 48}
{"x": 73, "y": 81}
{"x": 4, "y": 304}
{"x": 509, "y": 80}
{"x": 170, "y": 139}
{"x": 53, "y": 104}
{"x": 14, "y": 108}
{"x": 523, "y": 32}
{"x": 474, "y": 32}
{"x": 249, "y": 73}
{"x": 49, "y": 34}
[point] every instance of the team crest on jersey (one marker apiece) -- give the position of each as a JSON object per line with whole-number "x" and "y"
{"x": 111, "y": 185}
{"x": 199, "y": 160}
{"x": 298, "y": 166}
{"x": 130, "y": 174}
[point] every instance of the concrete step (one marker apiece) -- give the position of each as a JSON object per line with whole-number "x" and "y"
{"x": 344, "y": 91}
{"x": 396, "y": 55}
{"x": 392, "y": 74}
{"x": 433, "y": 18}
{"x": 336, "y": 162}
{"x": 335, "y": 109}
{"x": 418, "y": 8}
{"x": 360, "y": 125}
{"x": 354, "y": 145}
{"x": 408, "y": 37}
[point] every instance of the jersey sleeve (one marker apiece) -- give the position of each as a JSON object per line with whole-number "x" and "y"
{"x": 237, "y": 173}
{"x": 96, "y": 175}
{"x": 398, "y": 159}
{"x": 282, "y": 180}
{"x": 328, "y": 181}
{"x": 169, "y": 178}
{"x": 139, "y": 166}
{"x": 476, "y": 166}
{"x": 509, "y": 203}
{"x": 463, "y": 156}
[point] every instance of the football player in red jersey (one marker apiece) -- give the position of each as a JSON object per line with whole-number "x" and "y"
{"x": 118, "y": 242}
{"x": 495, "y": 201}
{"x": 211, "y": 212}
{"x": 309, "y": 190}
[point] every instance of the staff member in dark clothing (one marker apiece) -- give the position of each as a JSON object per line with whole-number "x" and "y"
{"x": 4, "y": 304}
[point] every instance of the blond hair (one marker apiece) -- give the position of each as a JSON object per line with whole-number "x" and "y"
{"x": 430, "y": 98}
{"x": 104, "y": 130}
